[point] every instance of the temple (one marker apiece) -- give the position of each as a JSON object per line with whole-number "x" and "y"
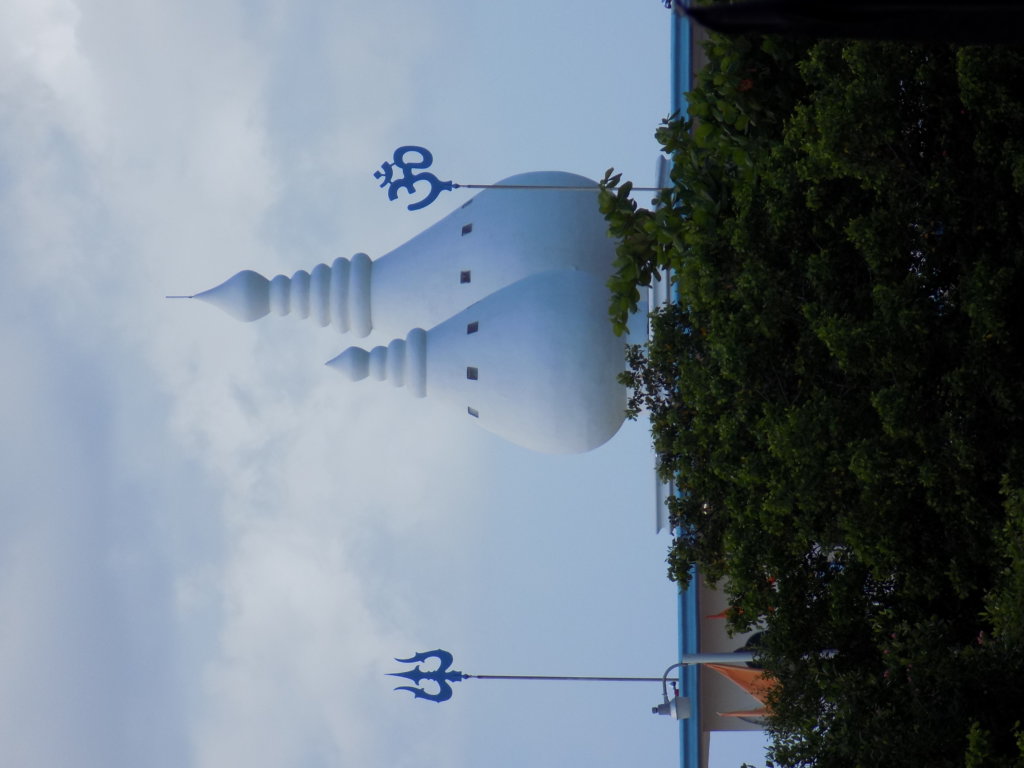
{"x": 499, "y": 312}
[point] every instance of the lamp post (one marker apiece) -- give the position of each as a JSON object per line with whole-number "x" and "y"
{"x": 678, "y": 707}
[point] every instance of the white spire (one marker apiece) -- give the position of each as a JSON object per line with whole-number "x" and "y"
{"x": 337, "y": 295}
{"x": 244, "y": 296}
{"x": 403, "y": 363}
{"x": 535, "y": 363}
{"x": 495, "y": 239}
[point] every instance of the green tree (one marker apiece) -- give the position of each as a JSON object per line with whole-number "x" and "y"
{"x": 838, "y": 390}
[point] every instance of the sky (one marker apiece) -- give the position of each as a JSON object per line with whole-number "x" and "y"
{"x": 211, "y": 546}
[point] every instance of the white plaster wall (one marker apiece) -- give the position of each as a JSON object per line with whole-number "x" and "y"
{"x": 717, "y": 693}
{"x": 547, "y": 362}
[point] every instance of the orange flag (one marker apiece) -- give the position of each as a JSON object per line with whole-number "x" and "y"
{"x": 753, "y": 681}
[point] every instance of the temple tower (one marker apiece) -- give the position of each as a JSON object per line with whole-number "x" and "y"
{"x": 512, "y": 289}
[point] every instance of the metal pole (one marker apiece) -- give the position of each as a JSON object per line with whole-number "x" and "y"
{"x": 740, "y": 657}
{"x": 553, "y": 677}
{"x": 551, "y": 186}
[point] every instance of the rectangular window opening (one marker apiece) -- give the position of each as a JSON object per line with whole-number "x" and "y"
{"x": 464, "y": 276}
{"x": 466, "y": 229}
{"x": 473, "y": 327}
{"x": 473, "y": 412}
{"x": 472, "y": 373}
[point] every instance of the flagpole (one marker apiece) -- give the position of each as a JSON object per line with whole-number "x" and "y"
{"x": 565, "y": 677}
{"x": 443, "y": 676}
{"x": 550, "y": 186}
{"x": 412, "y": 161}
{"x": 739, "y": 657}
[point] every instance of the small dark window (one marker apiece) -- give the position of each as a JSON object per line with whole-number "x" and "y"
{"x": 464, "y": 276}
{"x": 466, "y": 229}
{"x": 472, "y": 373}
{"x": 473, "y": 327}
{"x": 473, "y": 412}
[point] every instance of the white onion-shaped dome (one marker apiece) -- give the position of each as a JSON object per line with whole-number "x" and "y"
{"x": 245, "y": 296}
{"x": 495, "y": 239}
{"x": 535, "y": 363}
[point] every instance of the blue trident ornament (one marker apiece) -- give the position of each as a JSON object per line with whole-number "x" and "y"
{"x": 442, "y": 676}
{"x": 410, "y": 178}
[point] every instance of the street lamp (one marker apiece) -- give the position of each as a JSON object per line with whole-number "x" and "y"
{"x": 679, "y": 707}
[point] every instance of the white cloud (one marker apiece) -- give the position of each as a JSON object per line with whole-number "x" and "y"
{"x": 41, "y": 40}
{"x": 142, "y": 156}
{"x": 213, "y": 544}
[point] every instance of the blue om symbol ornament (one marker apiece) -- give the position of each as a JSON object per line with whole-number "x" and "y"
{"x": 442, "y": 676}
{"x": 422, "y": 158}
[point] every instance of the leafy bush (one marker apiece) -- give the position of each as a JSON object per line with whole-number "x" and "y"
{"x": 837, "y": 391}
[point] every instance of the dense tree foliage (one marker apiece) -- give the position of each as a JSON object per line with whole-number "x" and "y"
{"x": 838, "y": 392}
